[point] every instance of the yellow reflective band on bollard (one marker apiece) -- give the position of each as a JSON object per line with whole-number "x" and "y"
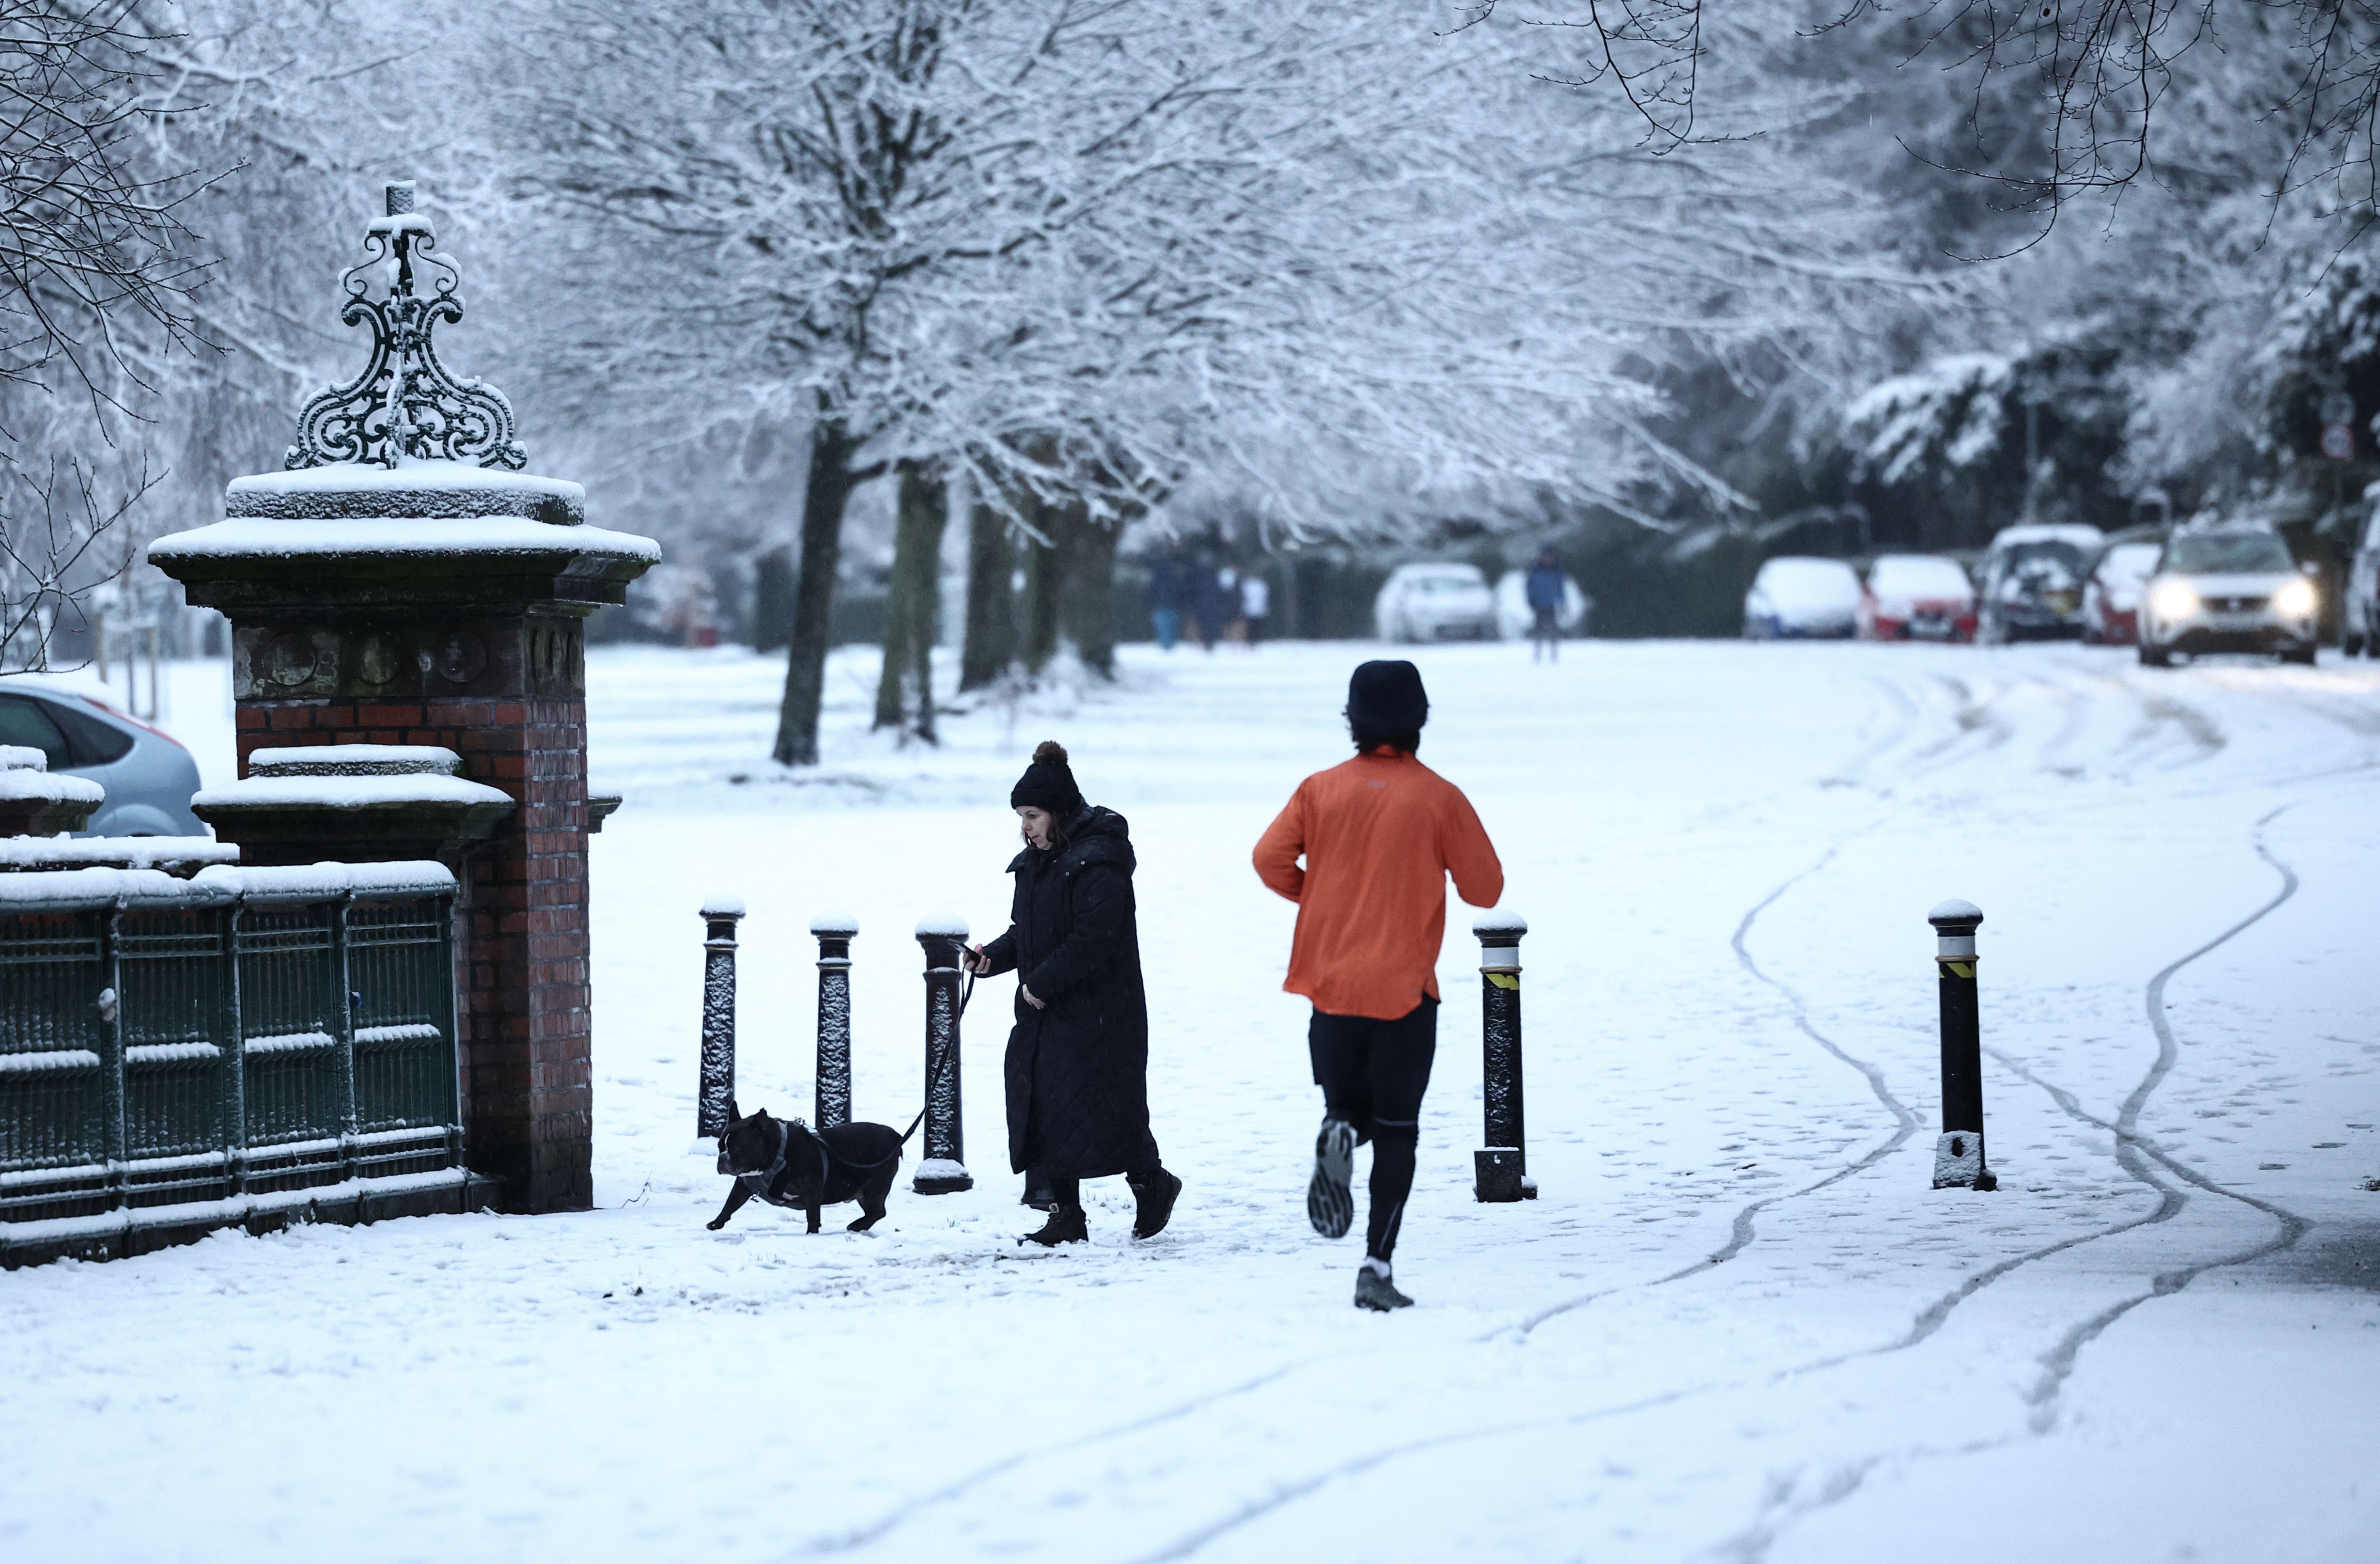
{"x": 1959, "y": 968}
{"x": 1503, "y": 980}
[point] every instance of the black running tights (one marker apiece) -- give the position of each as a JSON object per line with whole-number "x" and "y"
{"x": 1373, "y": 1074}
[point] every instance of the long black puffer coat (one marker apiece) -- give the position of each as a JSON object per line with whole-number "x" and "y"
{"x": 1078, "y": 1071}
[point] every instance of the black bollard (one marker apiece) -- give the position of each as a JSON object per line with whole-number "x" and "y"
{"x": 1501, "y": 1165}
{"x": 1959, "y": 1155}
{"x": 716, "y": 1091}
{"x": 943, "y": 1169}
{"x": 833, "y": 1092}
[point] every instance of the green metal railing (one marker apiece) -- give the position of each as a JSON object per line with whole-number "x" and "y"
{"x": 164, "y": 1041}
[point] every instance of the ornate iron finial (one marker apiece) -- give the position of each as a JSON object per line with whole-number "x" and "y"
{"x": 405, "y": 405}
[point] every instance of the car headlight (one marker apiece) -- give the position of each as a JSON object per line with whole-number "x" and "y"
{"x": 2295, "y": 599}
{"x": 2173, "y": 600}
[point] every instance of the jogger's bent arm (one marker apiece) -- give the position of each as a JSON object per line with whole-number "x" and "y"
{"x": 1279, "y": 848}
{"x": 1470, "y": 856}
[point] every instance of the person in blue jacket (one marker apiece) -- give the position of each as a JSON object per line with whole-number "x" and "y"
{"x": 1546, "y": 590}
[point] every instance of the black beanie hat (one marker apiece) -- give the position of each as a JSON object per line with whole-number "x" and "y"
{"x": 1048, "y": 783}
{"x": 1387, "y": 697}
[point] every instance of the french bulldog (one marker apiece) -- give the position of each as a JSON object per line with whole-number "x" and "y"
{"x": 787, "y": 1163}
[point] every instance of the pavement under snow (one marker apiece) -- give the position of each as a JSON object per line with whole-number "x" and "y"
{"x": 1737, "y": 1326}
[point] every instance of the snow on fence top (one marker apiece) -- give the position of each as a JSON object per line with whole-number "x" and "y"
{"x": 338, "y": 792}
{"x": 91, "y": 888}
{"x": 1496, "y": 922}
{"x": 942, "y": 925}
{"x": 723, "y": 906}
{"x": 842, "y": 926}
{"x": 19, "y": 758}
{"x": 21, "y": 853}
{"x": 356, "y": 760}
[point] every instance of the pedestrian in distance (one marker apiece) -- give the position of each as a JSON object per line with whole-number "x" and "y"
{"x": 1165, "y": 599}
{"x": 1226, "y": 594}
{"x": 1379, "y": 834}
{"x": 1256, "y": 605}
{"x": 1077, "y": 1067}
{"x": 1545, "y": 589}
{"x": 1208, "y": 604}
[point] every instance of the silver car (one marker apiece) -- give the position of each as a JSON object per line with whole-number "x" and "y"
{"x": 2231, "y": 589}
{"x": 149, "y": 776}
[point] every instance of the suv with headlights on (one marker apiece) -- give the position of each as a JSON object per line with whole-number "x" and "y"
{"x": 2227, "y": 589}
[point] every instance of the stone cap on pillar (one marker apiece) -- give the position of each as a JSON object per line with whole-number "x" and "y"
{"x": 353, "y": 803}
{"x": 34, "y": 802}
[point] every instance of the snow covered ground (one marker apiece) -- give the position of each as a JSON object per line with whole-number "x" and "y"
{"x": 1737, "y": 1326}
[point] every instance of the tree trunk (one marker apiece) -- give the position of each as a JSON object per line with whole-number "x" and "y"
{"x": 991, "y": 642}
{"x": 1047, "y": 565}
{"x": 911, "y": 603}
{"x": 1090, "y": 602}
{"x": 823, "y": 499}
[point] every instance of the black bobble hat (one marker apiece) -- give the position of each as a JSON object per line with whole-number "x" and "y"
{"x": 1048, "y": 783}
{"x": 1387, "y": 697}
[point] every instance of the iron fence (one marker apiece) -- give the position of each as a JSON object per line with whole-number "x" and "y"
{"x": 165, "y": 1041}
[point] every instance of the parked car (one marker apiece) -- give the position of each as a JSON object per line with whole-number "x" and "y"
{"x": 1435, "y": 602}
{"x": 2033, "y": 582}
{"x": 2359, "y": 610}
{"x": 1513, "y": 619}
{"x": 1917, "y": 597}
{"x": 2228, "y": 588}
{"x": 149, "y": 776}
{"x": 2111, "y": 596}
{"x": 1795, "y": 595}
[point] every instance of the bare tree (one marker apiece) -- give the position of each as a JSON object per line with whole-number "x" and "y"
{"x": 98, "y": 275}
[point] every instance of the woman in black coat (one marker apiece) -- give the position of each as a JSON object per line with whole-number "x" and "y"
{"x": 1078, "y": 1068}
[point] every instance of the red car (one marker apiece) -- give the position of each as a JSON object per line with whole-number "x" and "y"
{"x": 2111, "y": 597}
{"x": 1917, "y": 597}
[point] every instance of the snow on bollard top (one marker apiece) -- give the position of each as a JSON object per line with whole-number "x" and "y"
{"x": 1500, "y": 922}
{"x": 942, "y": 925}
{"x": 835, "y": 925}
{"x": 723, "y": 906}
{"x": 1955, "y": 911}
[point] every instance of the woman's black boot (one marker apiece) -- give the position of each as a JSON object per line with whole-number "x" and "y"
{"x": 1066, "y": 1225}
{"x": 1153, "y": 1195}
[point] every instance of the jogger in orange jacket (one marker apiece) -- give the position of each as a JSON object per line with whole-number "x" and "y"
{"x": 1379, "y": 834}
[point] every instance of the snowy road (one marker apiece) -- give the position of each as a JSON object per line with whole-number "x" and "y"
{"x": 1737, "y": 1326}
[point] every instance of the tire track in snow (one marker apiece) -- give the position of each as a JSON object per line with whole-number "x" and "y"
{"x": 1741, "y": 1230}
{"x": 2133, "y": 1152}
{"x": 857, "y": 1537}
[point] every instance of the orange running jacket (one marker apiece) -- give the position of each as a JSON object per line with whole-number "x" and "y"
{"x": 1379, "y": 835}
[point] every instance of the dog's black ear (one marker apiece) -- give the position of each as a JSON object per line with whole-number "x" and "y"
{"x": 731, "y": 1114}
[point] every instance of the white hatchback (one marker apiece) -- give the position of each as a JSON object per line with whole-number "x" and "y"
{"x": 1435, "y": 602}
{"x": 1799, "y": 596}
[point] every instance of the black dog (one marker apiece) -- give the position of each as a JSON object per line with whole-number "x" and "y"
{"x": 787, "y": 1163}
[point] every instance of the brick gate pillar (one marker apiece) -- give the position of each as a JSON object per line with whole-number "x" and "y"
{"x": 402, "y": 583}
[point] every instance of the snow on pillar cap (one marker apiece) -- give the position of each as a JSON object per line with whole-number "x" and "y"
{"x": 835, "y": 925}
{"x": 22, "y": 757}
{"x": 1956, "y": 910}
{"x": 942, "y": 925}
{"x": 723, "y": 906}
{"x": 1499, "y": 928}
